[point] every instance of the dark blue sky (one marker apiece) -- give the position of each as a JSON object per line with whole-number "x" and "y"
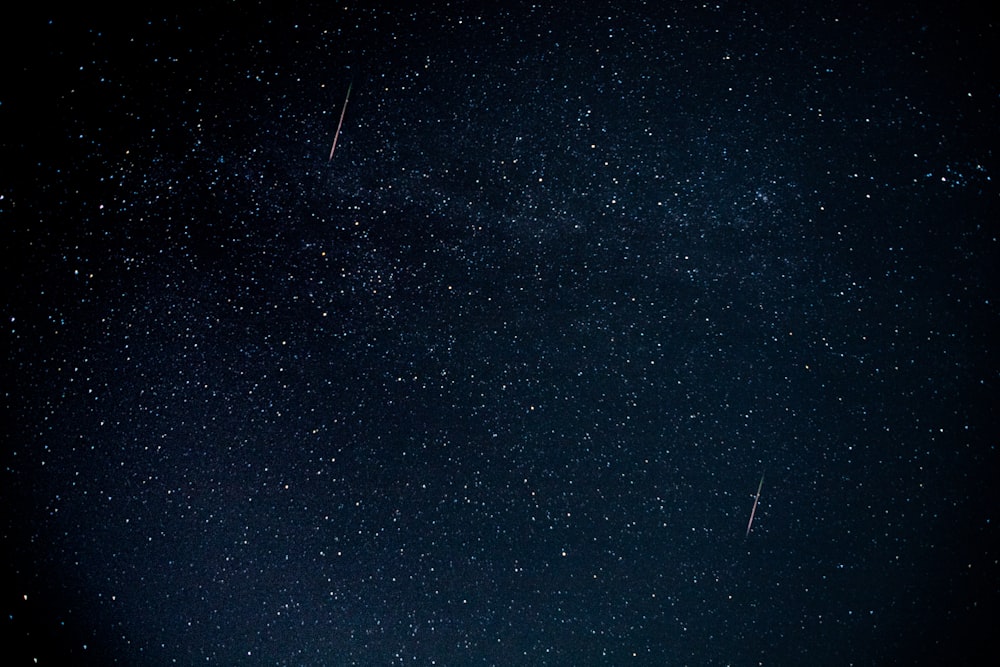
{"x": 497, "y": 383}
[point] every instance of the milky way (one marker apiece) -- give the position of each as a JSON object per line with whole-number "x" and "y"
{"x": 493, "y": 386}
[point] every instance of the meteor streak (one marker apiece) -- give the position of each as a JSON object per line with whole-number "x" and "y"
{"x": 754, "y": 510}
{"x": 341, "y": 123}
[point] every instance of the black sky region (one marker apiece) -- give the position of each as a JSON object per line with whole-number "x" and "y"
{"x": 495, "y": 385}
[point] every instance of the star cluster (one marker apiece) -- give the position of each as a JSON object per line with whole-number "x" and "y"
{"x": 496, "y": 382}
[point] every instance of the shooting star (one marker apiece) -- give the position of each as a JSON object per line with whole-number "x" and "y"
{"x": 341, "y": 123}
{"x": 754, "y": 510}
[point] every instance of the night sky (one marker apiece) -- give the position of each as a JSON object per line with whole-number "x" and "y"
{"x": 497, "y": 383}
